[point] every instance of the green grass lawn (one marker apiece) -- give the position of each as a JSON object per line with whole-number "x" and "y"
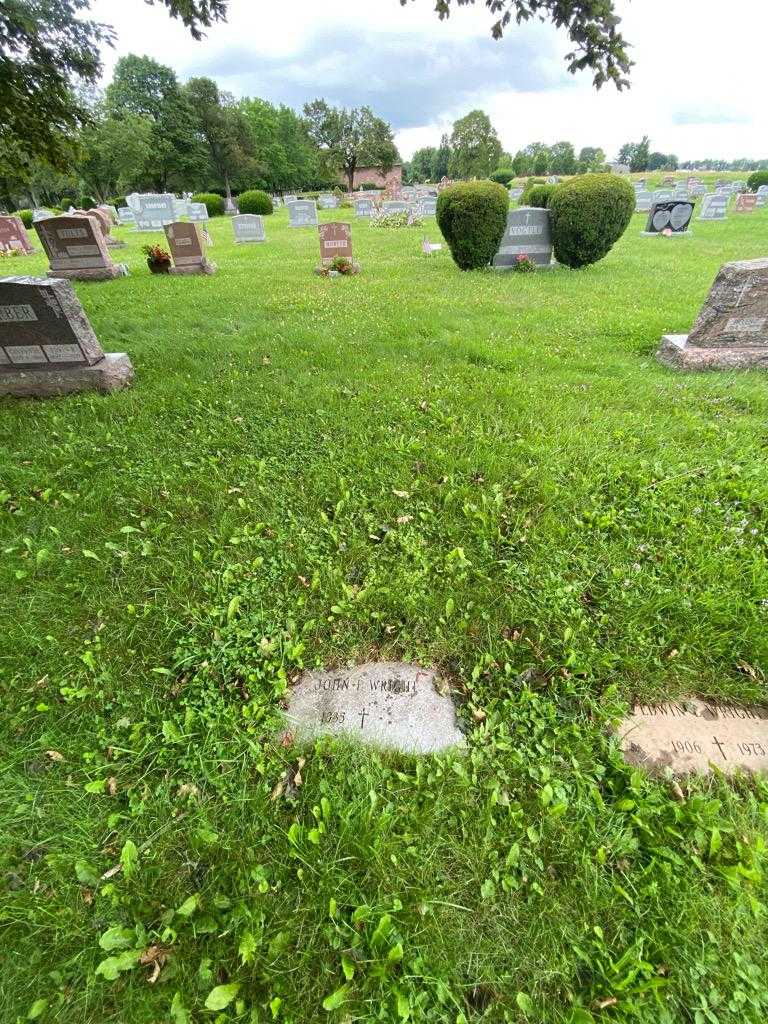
{"x": 486, "y": 473}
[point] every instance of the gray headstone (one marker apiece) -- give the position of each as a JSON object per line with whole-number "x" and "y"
{"x": 42, "y": 214}
{"x": 762, "y": 195}
{"x": 155, "y": 211}
{"x": 179, "y": 208}
{"x": 714, "y": 206}
{"x": 364, "y": 208}
{"x": 731, "y": 331}
{"x": 692, "y": 735}
{"x": 428, "y": 207}
{"x": 327, "y": 201}
{"x": 516, "y": 192}
{"x": 290, "y": 199}
{"x": 528, "y": 232}
{"x": 394, "y": 206}
{"x": 47, "y": 345}
{"x": 248, "y": 227}
{"x": 643, "y": 201}
{"x": 302, "y": 213}
{"x": 125, "y": 215}
{"x": 197, "y": 212}
{"x": 386, "y": 704}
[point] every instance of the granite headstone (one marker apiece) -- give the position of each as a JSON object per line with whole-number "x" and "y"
{"x": 76, "y": 249}
{"x": 248, "y": 227}
{"x": 528, "y": 233}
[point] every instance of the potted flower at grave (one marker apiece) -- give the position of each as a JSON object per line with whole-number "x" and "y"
{"x": 158, "y": 258}
{"x": 523, "y": 264}
{"x": 339, "y": 266}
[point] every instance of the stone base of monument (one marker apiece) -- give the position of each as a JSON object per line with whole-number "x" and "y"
{"x": 675, "y": 352}
{"x": 199, "y": 268}
{"x": 660, "y": 234}
{"x": 92, "y": 273}
{"x": 111, "y": 373}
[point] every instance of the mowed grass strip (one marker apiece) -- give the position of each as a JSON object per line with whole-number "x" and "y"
{"x": 484, "y": 472}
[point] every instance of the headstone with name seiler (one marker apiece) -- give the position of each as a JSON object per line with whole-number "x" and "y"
{"x": 248, "y": 227}
{"x": 731, "y": 331}
{"x": 188, "y": 249}
{"x": 47, "y": 345}
{"x": 389, "y": 705}
{"x": 76, "y": 249}
{"x": 302, "y": 213}
{"x": 14, "y": 237}
{"x": 671, "y": 218}
{"x": 528, "y": 233}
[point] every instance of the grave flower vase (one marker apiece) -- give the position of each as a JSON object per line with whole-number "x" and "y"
{"x": 158, "y": 268}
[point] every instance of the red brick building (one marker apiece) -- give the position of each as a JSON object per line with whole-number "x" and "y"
{"x": 393, "y": 179}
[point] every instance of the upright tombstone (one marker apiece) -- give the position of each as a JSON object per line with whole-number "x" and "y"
{"x": 47, "y": 345}
{"x": 428, "y": 206}
{"x": 663, "y": 195}
{"x": 103, "y": 217}
{"x": 155, "y": 211}
{"x": 746, "y": 202}
{"x": 714, "y": 206}
{"x": 302, "y": 213}
{"x": 528, "y": 233}
{"x": 515, "y": 193}
{"x": 230, "y": 207}
{"x": 41, "y": 214}
{"x": 290, "y": 199}
{"x": 248, "y": 227}
{"x": 643, "y": 201}
{"x": 125, "y": 215}
{"x": 76, "y": 249}
{"x": 326, "y": 201}
{"x": 394, "y": 206}
{"x": 14, "y": 237}
{"x": 553, "y": 180}
{"x": 762, "y": 195}
{"x": 364, "y": 208}
{"x": 731, "y": 331}
{"x": 187, "y": 249}
{"x": 276, "y": 201}
{"x": 335, "y": 240}
{"x": 697, "y": 189}
{"x": 197, "y": 212}
{"x": 180, "y": 208}
{"x": 669, "y": 218}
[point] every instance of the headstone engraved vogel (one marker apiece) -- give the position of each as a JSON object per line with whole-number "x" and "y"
{"x": 76, "y": 248}
{"x": 731, "y": 331}
{"x": 364, "y": 208}
{"x": 386, "y": 704}
{"x": 528, "y": 233}
{"x": 14, "y": 237}
{"x": 335, "y": 240}
{"x": 248, "y": 227}
{"x": 47, "y": 345}
{"x": 693, "y": 735}
{"x": 745, "y": 202}
{"x": 187, "y": 249}
{"x": 673, "y": 216}
{"x": 302, "y": 213}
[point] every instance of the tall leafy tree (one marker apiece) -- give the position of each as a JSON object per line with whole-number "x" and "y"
{"x": 440, "y": 162}
{"x": 639, "y": 159}
{"x": 349, "y": 139}
{"x": 223, "y": 129}
{"x": 116, "y": 152}
{"x": 562, "y": 158}
{"x": 591, "y": 158}
{"x": 475, "y": 146}
{"x": 422, "y": 162}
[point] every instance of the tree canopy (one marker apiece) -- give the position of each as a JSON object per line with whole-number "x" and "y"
{"x": 350, "y": 139}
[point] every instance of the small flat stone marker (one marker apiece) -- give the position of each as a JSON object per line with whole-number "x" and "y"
{"x": 387, "y": 704}
{"x": 692, "y": 735}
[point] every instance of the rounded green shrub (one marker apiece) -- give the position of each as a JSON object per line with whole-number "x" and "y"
{"x": 538, "y": 195}
{"x": 756, "y": 179}
{"x": 26, "y": 217}
{"x": 472, "y": 216}
{"x": 86, "y": 202}
{"x": 503, "y": 175}
{"x": 214, "y": 204}
{"x": 589, "y": 215}
{"x": 254, "y": 201}
{"x": 117, "y": 201}
{"x": 529, "y": 184}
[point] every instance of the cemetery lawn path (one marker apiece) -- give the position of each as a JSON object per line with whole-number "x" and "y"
{"x": 487, "y": 474}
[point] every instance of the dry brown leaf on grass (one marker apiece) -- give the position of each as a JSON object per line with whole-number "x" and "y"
{"x": 154, "y": 957}
{"x": 112, "y": 785}
{"x": 54, "y": 755}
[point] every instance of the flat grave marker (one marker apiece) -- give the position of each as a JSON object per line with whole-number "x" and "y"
{"x": 47, "y": 345}
{"x": 386, "y": 704}
{"x": 248, "y": 227}
{"x": 731, "y": 330}
{"x": 76, "y": 249}
{"x": 692, "y": 735}
{"x": 528, "y": 233}
{"x": 187, "y": 249}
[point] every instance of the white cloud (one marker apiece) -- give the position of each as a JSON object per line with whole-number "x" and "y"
{"x": 693, "y": 91}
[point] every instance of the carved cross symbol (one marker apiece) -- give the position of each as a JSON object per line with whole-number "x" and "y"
{"x": 363, "y": 716}
{"x": 719, "y": 747}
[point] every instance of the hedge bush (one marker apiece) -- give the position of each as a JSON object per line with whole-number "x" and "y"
{"x": 756, "y": 179}
{"x": 472, "y": 216}
{"x": 254, "y": 201}
{"x": 538, "y": 195}
{"x": 503, "y": 175}
{"x": 26, "y": 217}
{"x": 86, "y": 202}
{"x": 589, "y": 215}
{"x": 214, "y": 204}
{"x": 529, "y": 184}
{"x": 117, "y": 201}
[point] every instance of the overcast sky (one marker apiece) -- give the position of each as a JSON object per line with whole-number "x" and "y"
{"x": 695, "y": 87}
